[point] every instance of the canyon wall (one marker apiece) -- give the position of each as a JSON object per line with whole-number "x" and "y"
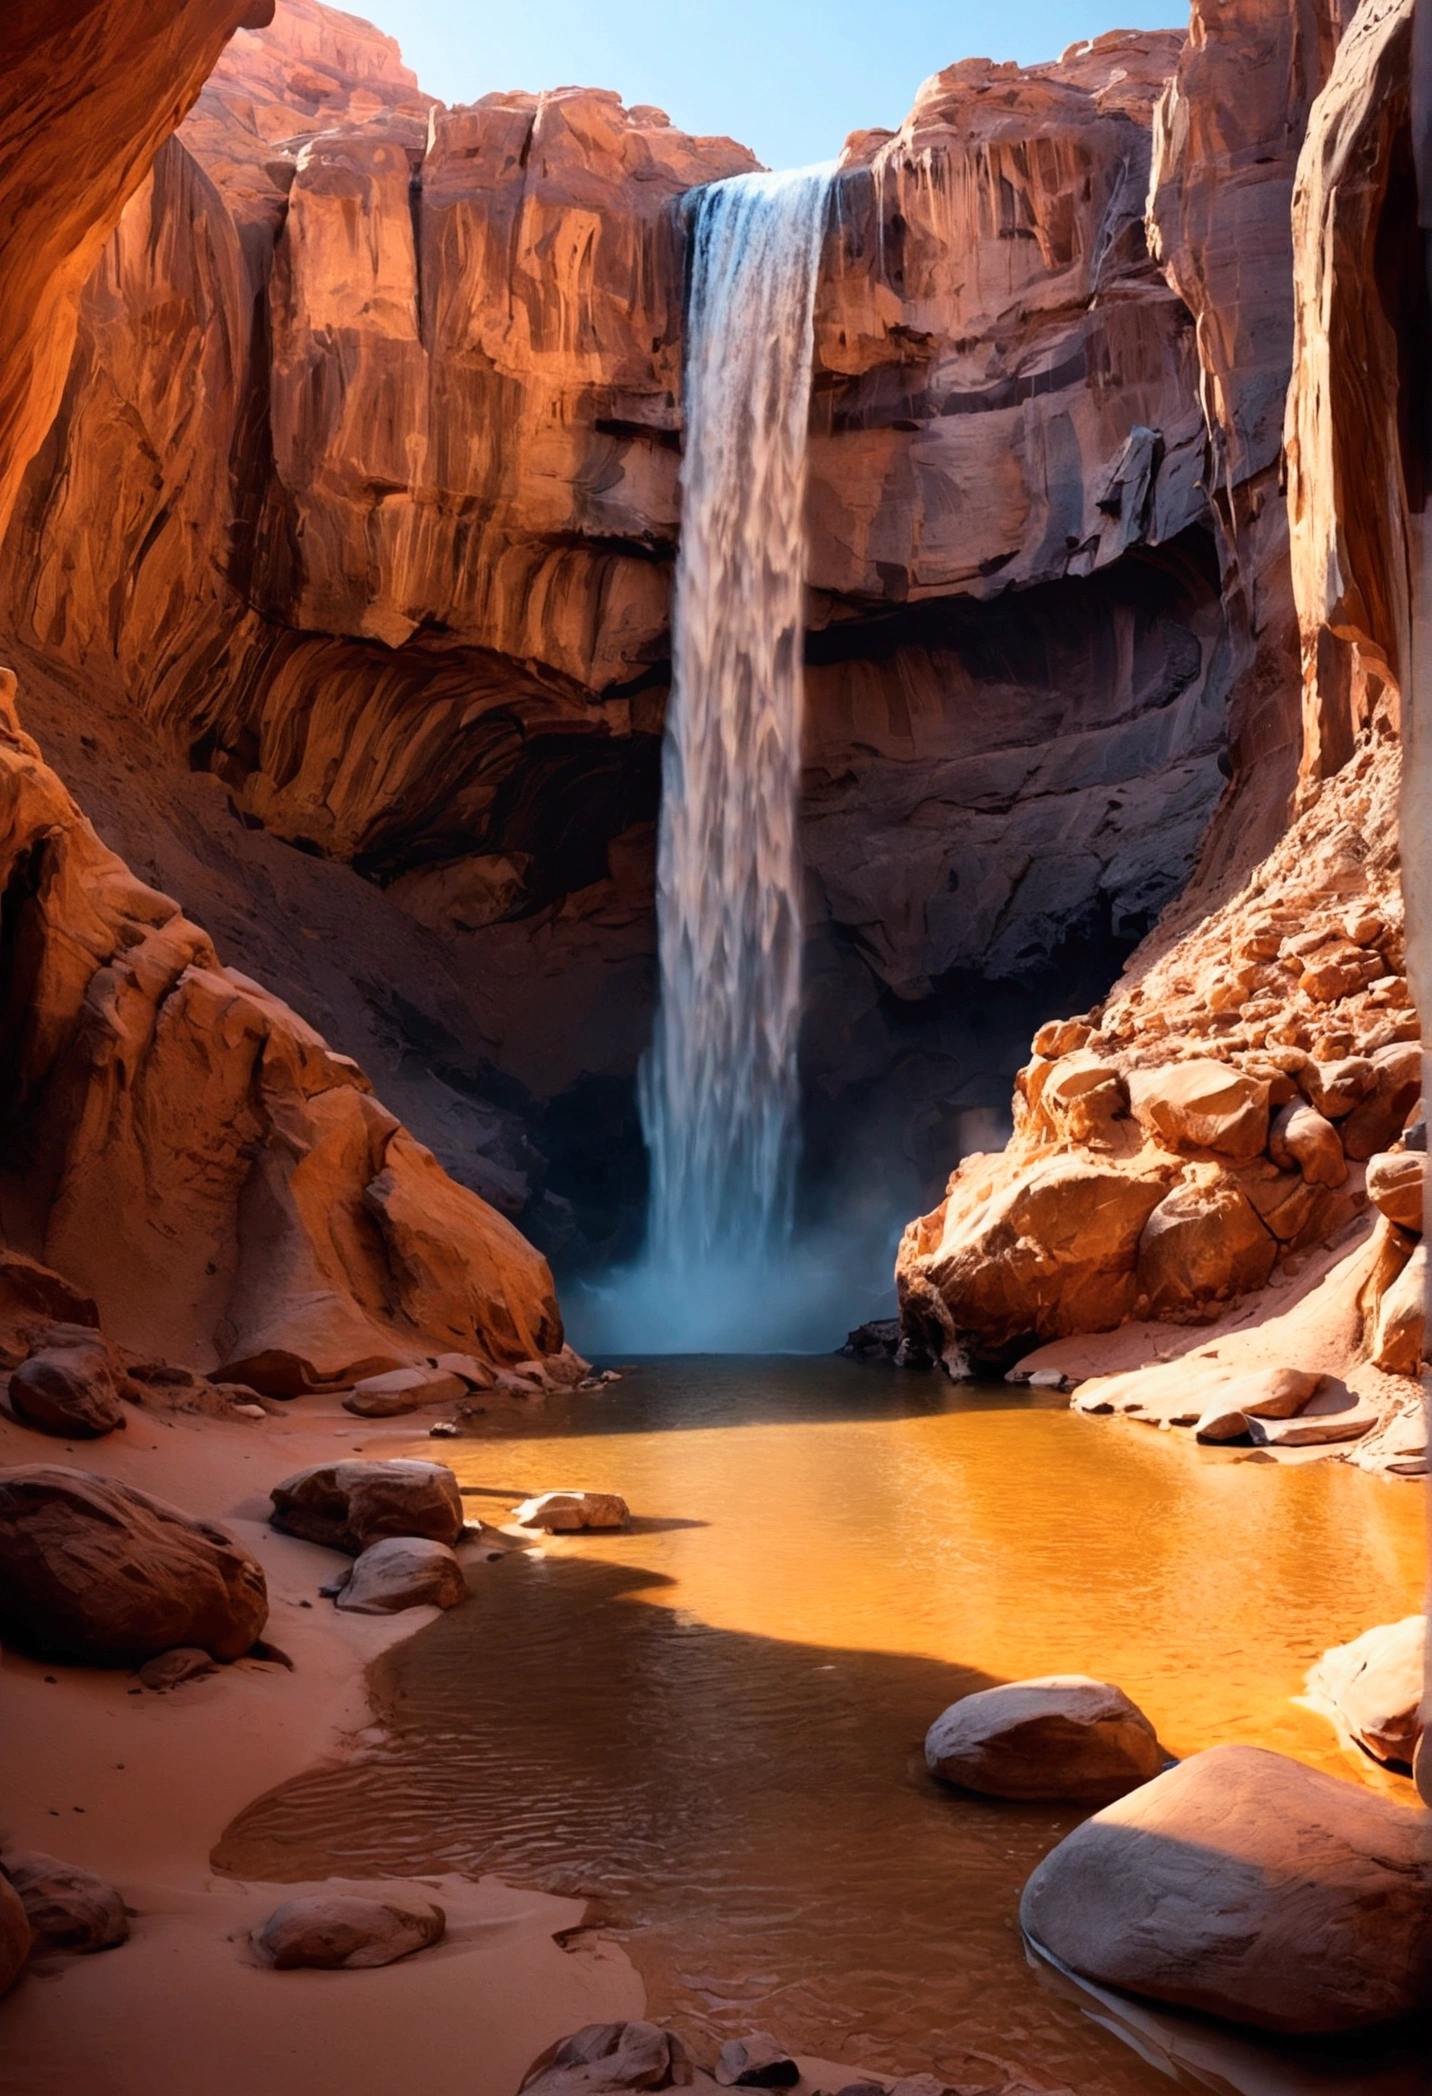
{"x": 214, "y": 1183}
{"x": 362, "y": 502}
{"x": 1240, "y": 1098}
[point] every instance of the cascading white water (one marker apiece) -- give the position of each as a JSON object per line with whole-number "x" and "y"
{"x": 719, "y": 1090}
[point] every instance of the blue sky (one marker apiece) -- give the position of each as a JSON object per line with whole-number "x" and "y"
{"x": 787, "y": 77}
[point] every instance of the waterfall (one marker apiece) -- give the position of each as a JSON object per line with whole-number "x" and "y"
{"x": 719, "y": 1086}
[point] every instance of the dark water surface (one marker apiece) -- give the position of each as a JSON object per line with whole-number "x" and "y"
{"x": 711, "y": 1726}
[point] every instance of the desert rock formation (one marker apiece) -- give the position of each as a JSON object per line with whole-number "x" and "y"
{"x": 375, "y": 409}
{"x": 1243, "y": 1092}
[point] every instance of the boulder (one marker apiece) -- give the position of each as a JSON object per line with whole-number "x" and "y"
{"x": 1272, "y": 1393}
{"x": 1396, "y": 1183}
{"x": 1301, "y": 1138}
{"x": 96, "y": 1571}
{"x": 474, "y": 1374}
{"x": 402, "y": 1572}
{"x": 756, "y": 2062}
{"x": 68, "y": 1908}
{"x": 1202, "y": 1105}
{"x": 168, "y": 1669}
{"x": 34, "y": 1297}
{"x": 403, "y": 1390}
{"x": 565, "y": 1512}
{"x": 1398, "y": 1333}
{"x": 1048, "y": 1253}
{"x": 348, "y": 1505}
{"x": 1062, "y": 1736}
{"x": 66, "y": 1387}
{"x": 1202, "y": 1244}
{"x": 1381, "y": 1117}
{"x": 16, "y": 1935}
{"x": 340, "y": 1931}
{"x": 611, "y": 2056}
{"x": 1082, "y": 1097}
{"x": 1245, "y": 1885}
{"x": 1221, "y": 1422}
{"x": 1335, "y": 1088}
{"x": 1314, "y": 1429}
{"x": 1372, "y": 1688}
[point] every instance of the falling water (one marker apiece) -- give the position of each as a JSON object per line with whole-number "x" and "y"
{"x": 719, "y": 1090}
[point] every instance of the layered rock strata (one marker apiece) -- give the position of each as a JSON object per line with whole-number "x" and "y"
{"x": 364, "y": 494}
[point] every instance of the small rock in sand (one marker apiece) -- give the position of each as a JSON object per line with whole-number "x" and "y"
{"x": 1221, "y": 1422}
{"x": 340, "y": 1931}
{"x": 168, "y": 1669}
{"x": 757, "y": 2062}
{"x": 402, "y": 1572}
{"x": 611, "y": 2056}
{"x": 68, "y": 1908}
{"x": 1250, "y": 1887}
{"x": 566, "y": 1512}
{"x": 1061, "y": 1736}
{"x": 16, "y": 1935}
{"x": 350, "y": 1505}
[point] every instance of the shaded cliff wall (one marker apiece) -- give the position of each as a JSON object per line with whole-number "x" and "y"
{"x": 175, "y": 1138}
{"x": 87, "y": 94}
{"x": 363, "y": 496}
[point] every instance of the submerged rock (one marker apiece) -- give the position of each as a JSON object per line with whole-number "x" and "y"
{"x": 402, "y": 1572}
{"x": 349, "y": 1505}
{"x": 97, "y": 1571}
{"x": 1243, "y": 1884}
{"x": 339, "y": 1931}
{"x": 1060, "y": 1736}
{"x": 1372, "y": 1688}
{"x": 566, "y": 1512}
{"x": 68, "y": 1908}
{"x": 632, "y": 2055}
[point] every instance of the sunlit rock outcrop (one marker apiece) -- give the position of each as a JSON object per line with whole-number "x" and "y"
{"x": 1250, "y": 1079}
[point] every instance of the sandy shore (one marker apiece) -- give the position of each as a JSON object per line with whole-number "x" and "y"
{"x": 140, "y": 1786}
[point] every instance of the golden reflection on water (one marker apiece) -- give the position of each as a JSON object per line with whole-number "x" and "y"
{"x": 712, "y": 1724}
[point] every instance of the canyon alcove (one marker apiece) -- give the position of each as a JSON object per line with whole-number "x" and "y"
{"x": 712, "y": 1149}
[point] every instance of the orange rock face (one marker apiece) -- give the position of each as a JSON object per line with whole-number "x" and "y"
{"x": 91, "y": 93}
{"x": 377, "y": 418}
{"x": 196, "y": 1158}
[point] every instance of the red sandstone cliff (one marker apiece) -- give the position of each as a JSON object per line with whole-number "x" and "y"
{"x": 363, "y": 496}
{"x": 1241, "y": 1097}
{"x": 178, "y": 1141}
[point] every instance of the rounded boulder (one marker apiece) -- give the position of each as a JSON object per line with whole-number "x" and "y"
{"x": 96, "y": 1571}
{"x": 68, "y": 1908}
{"x": 335, "y": 1931}
{"x": 1062, "y": 1736}
{"x": 402, "y": 1572}
{"x": 66, "y": 1387}
{"x": 350, "y": 1505}
{"x": 1245, "y": 1885}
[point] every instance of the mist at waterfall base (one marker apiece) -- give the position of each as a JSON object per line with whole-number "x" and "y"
{"x": 719, "y": 1086}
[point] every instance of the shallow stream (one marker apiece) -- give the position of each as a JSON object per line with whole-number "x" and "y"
{"x": 711, "y": 1726}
